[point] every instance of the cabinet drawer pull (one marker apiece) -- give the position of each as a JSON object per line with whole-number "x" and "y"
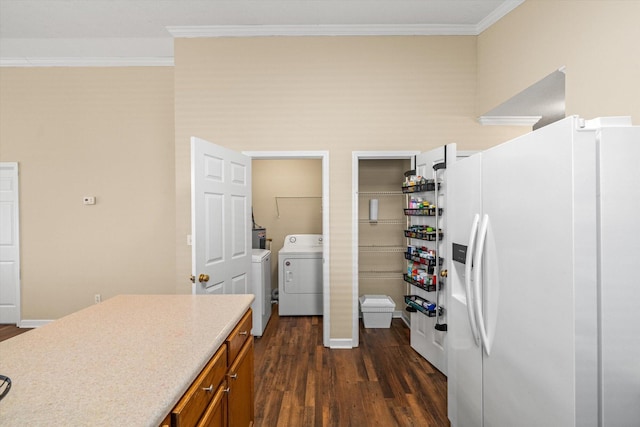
{"x": 210, "y": 388}
{"x": 226, "y": 390}
{"x": 243, "y": 333}
{"x": 233, "y": 376}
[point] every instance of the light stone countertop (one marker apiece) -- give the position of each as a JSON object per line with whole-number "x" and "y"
{"x": 123, "y": 362}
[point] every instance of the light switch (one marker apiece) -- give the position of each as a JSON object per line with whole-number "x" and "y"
{"x": 89, "y": 200}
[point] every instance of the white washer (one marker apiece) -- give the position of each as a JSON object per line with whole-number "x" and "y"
{"x": 261, "y": 288}
{"x": 300, "y": 275}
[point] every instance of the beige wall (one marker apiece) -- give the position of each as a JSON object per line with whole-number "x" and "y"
{"x": 324, "y": 93}
{"x": 109, "y": 132}
{"x": 597, "y": 41}
{"x": 106, "y": 132}
{"x": 300, "y": 179}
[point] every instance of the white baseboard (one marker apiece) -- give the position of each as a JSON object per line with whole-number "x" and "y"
{"x": 406, "y": 321}
{"x": 33, "y": 323}
{"x": 395, "y": 314}
{"x": 341, "y": 343}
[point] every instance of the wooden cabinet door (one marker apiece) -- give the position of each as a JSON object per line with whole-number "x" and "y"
{"x": 216, "y": 413}
{"x": 240, "y": 383}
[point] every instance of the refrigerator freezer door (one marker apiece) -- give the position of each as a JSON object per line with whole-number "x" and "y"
{"x": 465, "y": 355}
{"x": 528, "y": 290}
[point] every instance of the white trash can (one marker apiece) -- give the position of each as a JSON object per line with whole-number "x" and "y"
{"x": 377, "y": 310}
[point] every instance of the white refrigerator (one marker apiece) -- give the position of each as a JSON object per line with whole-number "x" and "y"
{"x": 544, "y": 328}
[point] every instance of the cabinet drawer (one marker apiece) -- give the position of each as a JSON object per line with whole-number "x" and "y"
{"x": 194, "y": 402}
{"x": 239, "y": 336}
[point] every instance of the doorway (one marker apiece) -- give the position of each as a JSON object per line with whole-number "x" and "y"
{"x": 9, "y": 244}
{"x": 317, "y": 197}
{"x": 377, "y": 232}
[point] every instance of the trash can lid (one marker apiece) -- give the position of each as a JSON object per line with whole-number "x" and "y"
{"x": 370, "y": 301}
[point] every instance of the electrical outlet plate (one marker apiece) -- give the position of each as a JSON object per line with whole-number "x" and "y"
{"x": 97, "y": 298}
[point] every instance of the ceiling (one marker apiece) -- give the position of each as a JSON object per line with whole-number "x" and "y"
{"x": 41, "y": 30}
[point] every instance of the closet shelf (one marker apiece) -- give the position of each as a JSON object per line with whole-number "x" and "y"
{"x": 380, "y": 193}
{"x": 424, "y": 286}
{"x": 422, "y": 305}
{"x": 422, "y": 211}
{"x": 425, "y": 185}
{"x": 400, "y": 221}
{"x": 377, "y": 274}
{"x": 381, "y": 249}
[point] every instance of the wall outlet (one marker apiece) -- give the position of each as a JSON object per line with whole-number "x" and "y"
{"x": 89, "y": 200}
{"x": 97, "y": 298}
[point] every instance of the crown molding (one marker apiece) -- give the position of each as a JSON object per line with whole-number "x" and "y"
{"x": 88, "y": 62}
{"x": 319, "y": 30}
{"x": 509, "y": 120}
{"x": 497, "y": 14}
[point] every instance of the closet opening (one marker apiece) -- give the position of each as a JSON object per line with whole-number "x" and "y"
{"x": 378, "y": 223}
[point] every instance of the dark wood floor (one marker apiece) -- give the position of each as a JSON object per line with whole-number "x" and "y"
{"x": 299, "y": 382}
{"x": 10, "y": 331}
{"x": 383, "y": 382}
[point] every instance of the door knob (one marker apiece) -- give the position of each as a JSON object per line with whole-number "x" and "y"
{"x": 203, "y": 278}
{"x": 444, "y": 273}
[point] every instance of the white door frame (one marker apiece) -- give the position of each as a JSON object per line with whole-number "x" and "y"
{"x": 355, "y": 170}
{"x": 326, "y": 282}
{"x": 12, "y": 168}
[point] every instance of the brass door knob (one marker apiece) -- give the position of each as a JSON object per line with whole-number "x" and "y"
{"x": 444, "y": 273}
{"x": 203, "y": 278}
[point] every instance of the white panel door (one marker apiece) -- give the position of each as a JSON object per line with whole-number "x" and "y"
{"x": 425, "y": 339}
{"x": 9, "y": 244}
{"x": 220, "y": 219}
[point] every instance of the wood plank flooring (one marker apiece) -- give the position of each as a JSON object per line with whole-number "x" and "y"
{"x": 384, "y": 382}
{"x": 9, "y": 331}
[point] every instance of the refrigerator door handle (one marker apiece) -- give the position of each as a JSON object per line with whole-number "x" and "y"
{"x": 476, "y": 278}
{"x": 467, "y": 279}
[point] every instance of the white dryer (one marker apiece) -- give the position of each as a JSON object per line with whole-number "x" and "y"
{"x": 300, "y": 275}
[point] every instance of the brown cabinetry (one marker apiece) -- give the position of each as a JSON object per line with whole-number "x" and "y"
{"x": 195, "y": 401}
{"x": 216, "y": 413}
{"x": 240, "y": 383}
{"x": 222, "y": 394}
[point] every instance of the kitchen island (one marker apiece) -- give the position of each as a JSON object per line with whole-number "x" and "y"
{"x": 125, "y": 361}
